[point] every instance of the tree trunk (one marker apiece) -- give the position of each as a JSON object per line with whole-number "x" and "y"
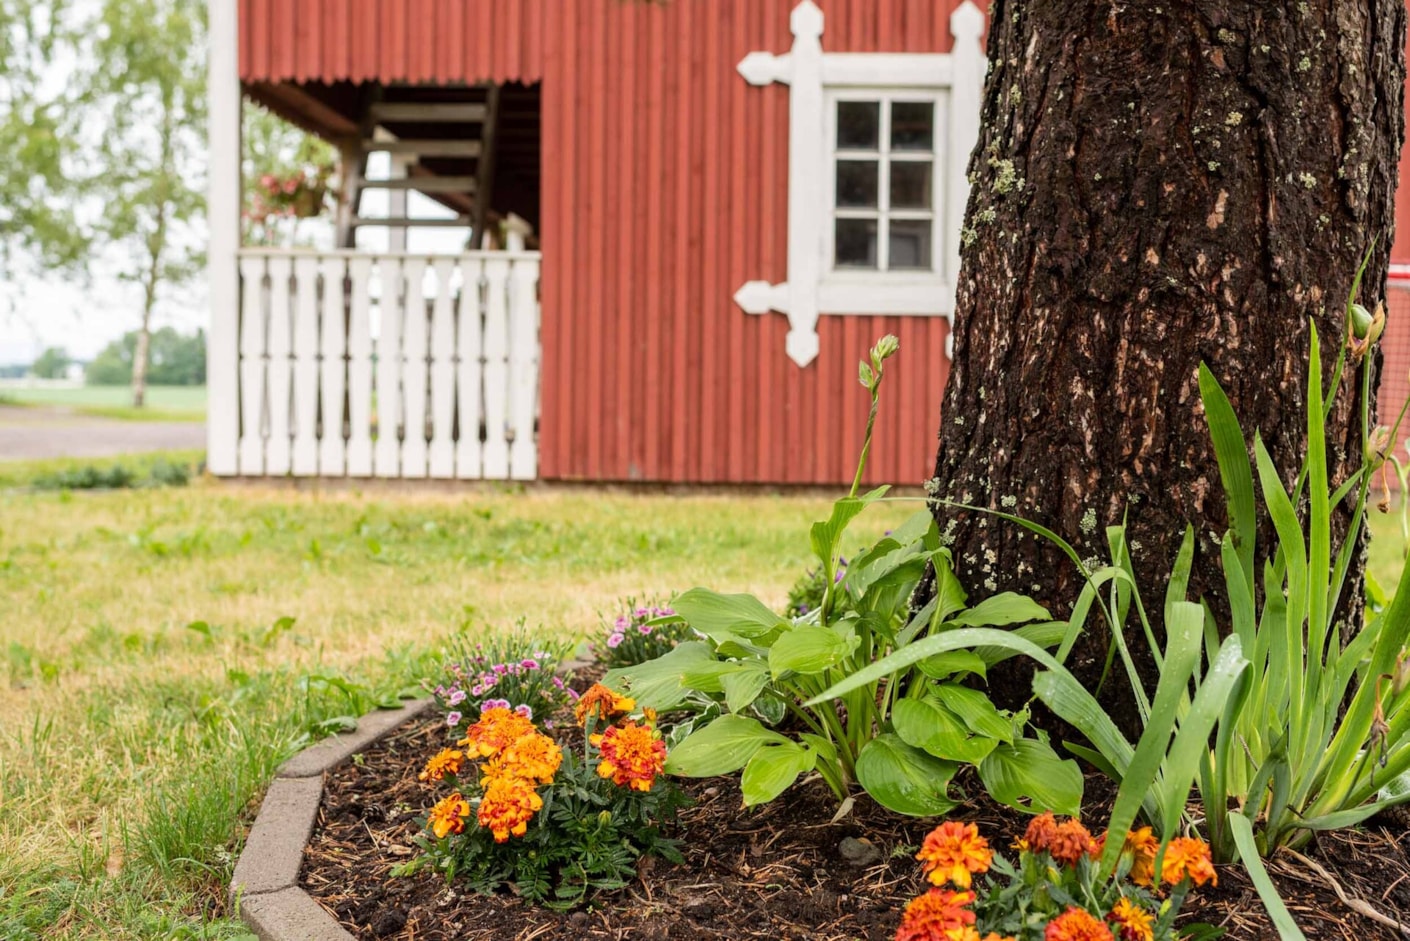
{"x": 1155, "y": 185}
{"x": 141, "y": 352}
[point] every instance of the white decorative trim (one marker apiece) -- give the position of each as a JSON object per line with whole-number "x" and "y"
{"x": 812, "y": 287}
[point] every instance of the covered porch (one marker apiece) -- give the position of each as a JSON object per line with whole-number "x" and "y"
{"x": 376, "y": 356}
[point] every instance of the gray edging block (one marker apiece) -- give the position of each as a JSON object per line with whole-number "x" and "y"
{"x": 275, "y": 847}
{"x": 265, "y": 885}
{"x": 313, "y": 761}
{"x": 290, "y": 915}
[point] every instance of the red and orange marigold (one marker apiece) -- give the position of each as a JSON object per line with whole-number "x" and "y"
{"x": 1039, "y": 835}
{"x": 938, "y": 915}
{"x": 1142, "y": 845}
{"x": 633, "y": 755}
{"x": 496, "y": 730}
{"x": 1077, "y": 924}
{"x": 449, "y": 816}
{"x": 535, "y": 757}
{"x": 1070, "y": 842}
{"x": 1131, "y": 921}
{"x": 508, "y": 805}
{"x": 603, "y": 703}
{"x": 446, "y": 761}
{"x": 953, "y": 852}
{"x": 1188, "y": 856}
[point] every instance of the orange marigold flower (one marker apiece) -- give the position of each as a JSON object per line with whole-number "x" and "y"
{"x": 1077, "y": 924}
{"x": 1188, "y": 856}
{"x": 535, "y": 757}
{"x": 1133, "y": 923}
{"x": 449, "y": 815}
{"x": 953, "y": 851}
{"x": 632, "y": 755}
{"x": 1039, "y": 835}
{"x": 446, "y": 761}
{"x": 938, "y": 915}
{"x": 1070, "y": 842}
{"x": 508, "y": 806}
{"x": 1142, "y": 845}
{"x": 603, "y": 703}
{"x": 995, "y": 936}
{"x": 495, "y": 731}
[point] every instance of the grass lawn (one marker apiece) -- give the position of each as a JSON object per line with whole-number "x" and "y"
{"x": 151, "y": 680}
{"x": 164, "y": 403}
{"x": 148, "y": 687}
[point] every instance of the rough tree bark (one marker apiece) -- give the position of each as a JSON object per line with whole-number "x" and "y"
{"x": 1156, "y": 184}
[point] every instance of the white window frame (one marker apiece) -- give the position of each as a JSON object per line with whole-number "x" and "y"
{"x": 818, "y": 80}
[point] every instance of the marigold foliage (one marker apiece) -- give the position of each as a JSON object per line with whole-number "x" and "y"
{"x": 1077, "y": 924}
{"x": 953, "y": 852}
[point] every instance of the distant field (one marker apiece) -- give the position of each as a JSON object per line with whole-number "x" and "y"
{"x": 164, "y": 403}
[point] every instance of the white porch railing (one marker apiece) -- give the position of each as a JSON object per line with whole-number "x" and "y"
{"x": 387, "y": 365}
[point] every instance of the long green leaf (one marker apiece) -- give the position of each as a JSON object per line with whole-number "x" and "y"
{"x": 1231, "y": 451}
{"x": 1242, "y": 832}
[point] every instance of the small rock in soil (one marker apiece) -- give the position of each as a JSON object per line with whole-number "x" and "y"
{"x": 859, "y": 851}
{"x": 389, "y": 922}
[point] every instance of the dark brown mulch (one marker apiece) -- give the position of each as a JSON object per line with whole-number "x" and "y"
{"x": 775, "y": 873}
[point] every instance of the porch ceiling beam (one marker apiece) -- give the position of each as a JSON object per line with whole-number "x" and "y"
{"x": 296, "y": 105}
{"x": 450, "y": 112}
{"x": 425, "y": 148}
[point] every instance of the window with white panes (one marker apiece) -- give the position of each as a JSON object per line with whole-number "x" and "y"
{"x": 883, "y": 183}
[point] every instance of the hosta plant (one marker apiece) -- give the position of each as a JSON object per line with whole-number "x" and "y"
{"x": 552, "y": 824}
{"x": 901, "y": 736}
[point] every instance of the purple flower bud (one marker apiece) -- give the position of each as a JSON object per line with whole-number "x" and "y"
{"x": 529, "y": 664}
{"x": 558, "y": 682}
{"x": 667, "y": 612}
{"x": 573, "y": 694}
{"x": 642, "y": 613}
{"x": 452, "y": 719}
{"x": 838, "y": 577}
{"x": 645, "y": 628}
{"x": 501, "y": 668}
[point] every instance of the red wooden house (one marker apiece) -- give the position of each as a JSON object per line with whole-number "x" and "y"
{"x": 685, "y": 222}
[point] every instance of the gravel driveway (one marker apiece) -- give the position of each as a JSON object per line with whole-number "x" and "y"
{"x": 43, "y": 431}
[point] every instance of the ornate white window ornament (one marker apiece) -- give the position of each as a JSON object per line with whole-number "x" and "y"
{"x": 877, "y": 148}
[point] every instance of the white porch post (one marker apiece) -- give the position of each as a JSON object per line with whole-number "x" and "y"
{"x": 223, "y": 211}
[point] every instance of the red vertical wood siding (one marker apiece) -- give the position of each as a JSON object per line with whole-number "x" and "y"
{"x": 665, "y": 187}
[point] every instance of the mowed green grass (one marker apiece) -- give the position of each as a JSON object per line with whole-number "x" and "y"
{"x": 164, "y": 403}
{"x": 149, "y": 688}
{"x": 151, "y": 681}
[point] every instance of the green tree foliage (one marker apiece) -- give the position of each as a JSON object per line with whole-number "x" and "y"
{"x": 52, "y": 363}
{"x": 175, "y": 360}
{"x": 145, "y": 97}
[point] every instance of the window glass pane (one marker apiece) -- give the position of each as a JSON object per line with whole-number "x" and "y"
{"x": 910, "y": 244}
{"x": 858, "y": 125}
{"x": 856, "y": 243}
{"x": 910, "y": 184}
{"x": 912, "y": 125}
{"x": 857, "y": 183}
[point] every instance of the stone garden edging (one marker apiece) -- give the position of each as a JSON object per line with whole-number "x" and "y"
{"x": 265, "y": 889}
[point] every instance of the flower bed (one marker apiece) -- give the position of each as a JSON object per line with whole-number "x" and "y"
{"x": 776, "y": 872}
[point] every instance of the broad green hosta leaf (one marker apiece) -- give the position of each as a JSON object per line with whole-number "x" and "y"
{"x": 710, "y": 613}
{"x": 772, "y": 770}
{"x": 659, "y": 683}
{"x": 905, "y": 779}
{"x": 809, "y": 649}
{"x": 722, "y": 747}
{"x": 1001, "y": 610}
{"x": 928, "y": 725}
{"x": 744, "y": 685}
{"x": 1029, "y": 776}
{"x": 954, "y": 663}
{"x": 976, "y": 710}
